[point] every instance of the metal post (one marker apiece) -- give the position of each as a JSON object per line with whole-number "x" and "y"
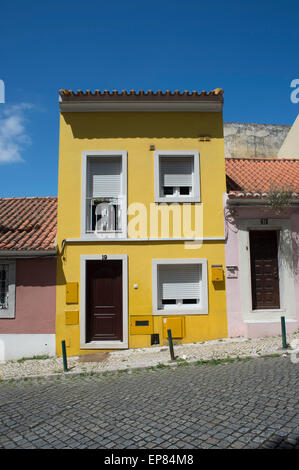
{"x": 64, "y": 355}
{"x": 170, "y": 345}
{"x": 283, "y": 333}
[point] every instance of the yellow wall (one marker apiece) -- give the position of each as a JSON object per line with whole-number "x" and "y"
{"x": 134, "y": 132}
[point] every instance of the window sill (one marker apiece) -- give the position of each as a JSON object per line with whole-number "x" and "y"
{"x": 103, "y": 236}
{"x": 180, "y": 311}
{"x": 7, "y": 316}
{"x": 182, "y": 199}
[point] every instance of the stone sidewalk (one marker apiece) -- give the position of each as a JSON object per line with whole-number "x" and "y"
{"x": 156, "y": 356}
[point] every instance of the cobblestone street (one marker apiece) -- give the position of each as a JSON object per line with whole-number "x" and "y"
{"x": 244, "y": 404}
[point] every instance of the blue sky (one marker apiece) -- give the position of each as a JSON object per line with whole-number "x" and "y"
{"x": 249, "y": 49}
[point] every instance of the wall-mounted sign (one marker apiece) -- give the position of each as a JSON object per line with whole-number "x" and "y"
{"x": 232, "y": 272}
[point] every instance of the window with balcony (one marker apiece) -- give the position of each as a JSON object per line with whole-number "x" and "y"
{"x": 105, "y": 194}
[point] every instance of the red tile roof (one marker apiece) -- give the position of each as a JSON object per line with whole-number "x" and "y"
{"x": 256, "y": 177}
{"x": 28, "y": 223}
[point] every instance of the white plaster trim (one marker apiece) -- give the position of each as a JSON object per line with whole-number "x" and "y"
{"x": 286, "y": 279}
{"x": 195, "y": 176}
{"x": 10, "y": 311}
{"x": 18, "y": 346}
{"x": 202, "y": 309}
{"x": 84, "y": 106}
{"x": 103, "y": 344}
{"x": 107, "y": 153}
{"x": 95, "y": 239}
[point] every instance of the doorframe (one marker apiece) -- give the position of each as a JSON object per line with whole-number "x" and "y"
{"x": 286, "y": 276}
{"x": 124, "y": 344}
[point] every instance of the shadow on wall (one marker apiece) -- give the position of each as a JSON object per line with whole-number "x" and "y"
{"x": 295, "y": 242}
{"x": 40, "y": 272}
{"x": 219, "y": 285}
{"x": 288, "y": 251}
{"x": 148, "y": 124}
{"x": 229, "y": 222}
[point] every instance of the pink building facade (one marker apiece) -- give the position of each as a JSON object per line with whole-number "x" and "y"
{"x": 262, "y": 250}
{"x": 243, "y": 319}
{"x": 27, "y": 277}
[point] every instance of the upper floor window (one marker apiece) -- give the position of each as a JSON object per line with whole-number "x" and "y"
{"x": 104, "y": 193}
{"x": 177, "y": 177}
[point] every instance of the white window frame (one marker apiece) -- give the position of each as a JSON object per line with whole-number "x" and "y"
{"x": 10, "y": 311}
{"x": 103, "y": 344}
{"x": 195, "y": 191}
{"x": 108, "y": 153}
{"x": 181, "y": 309}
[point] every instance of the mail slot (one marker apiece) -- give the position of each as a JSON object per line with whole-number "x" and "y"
{"x": 141, "y": 325}
{"x": 217, "y": 273}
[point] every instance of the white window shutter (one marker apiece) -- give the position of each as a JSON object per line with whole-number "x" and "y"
{"x": 176, "y": 171}
{"x": 179, "y": 281}
{"x": 104, "y": 177}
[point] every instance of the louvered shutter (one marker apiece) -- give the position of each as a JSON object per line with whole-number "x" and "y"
{"x": 176, "y": 171}
{"x": 179, "y": 281}
{"x": 104, "y": 177}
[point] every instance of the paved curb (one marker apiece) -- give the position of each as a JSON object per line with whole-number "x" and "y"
{"x": 172, "y": 365}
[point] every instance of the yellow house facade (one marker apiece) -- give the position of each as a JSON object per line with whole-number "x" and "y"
{"x": 140, "y": 234}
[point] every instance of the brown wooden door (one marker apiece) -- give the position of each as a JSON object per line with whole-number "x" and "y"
{"x": 104, "y": 300}
{"x": 264, "y": 269}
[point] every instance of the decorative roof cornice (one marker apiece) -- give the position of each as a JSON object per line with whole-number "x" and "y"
{"x": 141, "y": 100}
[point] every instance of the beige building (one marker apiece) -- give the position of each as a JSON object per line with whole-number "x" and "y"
{"x": 290, "y": 147}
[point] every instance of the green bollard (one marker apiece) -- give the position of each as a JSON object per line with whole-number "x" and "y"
{"x": 283, "y": 333}
{"x": 64, "y": 357}
{"x": 170, "y": 345}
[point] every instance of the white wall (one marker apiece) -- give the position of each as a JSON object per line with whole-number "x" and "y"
{"x": 17, "y": 346}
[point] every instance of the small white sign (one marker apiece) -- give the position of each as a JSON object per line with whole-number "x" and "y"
{"x": 232, "y": 272}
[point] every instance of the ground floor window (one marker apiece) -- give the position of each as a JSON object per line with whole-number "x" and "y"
{"x": 7, "y": 289}
{"x": 180, "y": 286}
{"x": 4, "y": 286}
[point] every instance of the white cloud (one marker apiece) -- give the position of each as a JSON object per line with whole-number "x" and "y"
{"x": 13, "y": 133}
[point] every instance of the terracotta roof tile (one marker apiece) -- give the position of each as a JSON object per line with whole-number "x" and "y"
{"x": 256, "y": 177}
{"x": 28, "y": 223}
{"x": 149, "y": 93}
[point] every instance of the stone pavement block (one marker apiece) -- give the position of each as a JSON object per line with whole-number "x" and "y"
{"x": 223, "y": 408}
